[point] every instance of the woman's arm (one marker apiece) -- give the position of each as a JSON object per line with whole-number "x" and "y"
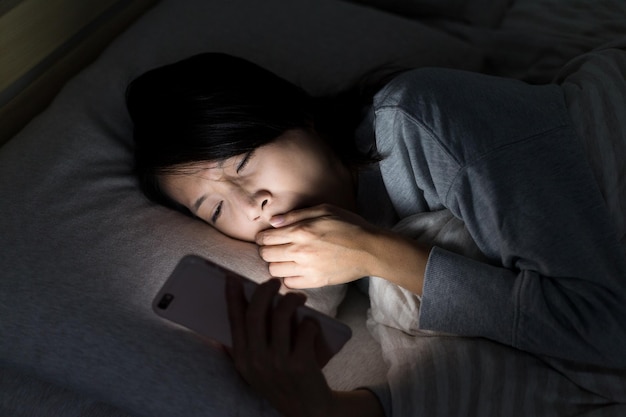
{"x": 326, "y": 245}
{"x": 278, "y": 360}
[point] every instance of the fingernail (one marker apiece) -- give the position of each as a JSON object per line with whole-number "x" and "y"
{"x": 277, "y": 220}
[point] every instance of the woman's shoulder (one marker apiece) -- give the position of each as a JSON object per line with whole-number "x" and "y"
{"x": 411, "y": 87}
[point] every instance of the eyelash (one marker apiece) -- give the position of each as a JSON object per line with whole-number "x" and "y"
{"x": 217, "y": 212}
{"x": 240, "y": 167}
{"x": 244, "y": 161}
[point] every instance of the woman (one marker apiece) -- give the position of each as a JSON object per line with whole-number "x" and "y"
{"x": 260, "y": 160}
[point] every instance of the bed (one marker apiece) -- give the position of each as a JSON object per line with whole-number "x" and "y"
{"x": 83, "y": 252}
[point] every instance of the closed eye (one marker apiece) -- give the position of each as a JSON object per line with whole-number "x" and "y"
{"x": 217, "y": 212}
{"x": 244, "y": 161}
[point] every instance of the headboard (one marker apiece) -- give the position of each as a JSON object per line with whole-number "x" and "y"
{"x": 43, "y": 43}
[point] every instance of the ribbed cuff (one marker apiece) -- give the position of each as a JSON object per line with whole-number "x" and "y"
{"x": 469, "y": 298}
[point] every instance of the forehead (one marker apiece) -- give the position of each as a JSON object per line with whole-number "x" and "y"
{"x": 211, "y": 170}
{"x": 200, "y": 167}
{"x": 190, "y": 180}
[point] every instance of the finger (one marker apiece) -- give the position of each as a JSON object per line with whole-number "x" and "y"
{"x": 237, "y": 305}
{"x": 259, "y": 311}
{"x": 274, "y": 237}
{"x": 282, "y": 323}
{"x": 288, "y": 225}
{"x": 292, "y": 233}
{"x": 304, "y": 345}
{"x": 296, "y": 282}
{"x": 295, "y": 216}
{"x": 276, "y": 253}
{"x": 284, "y": 269}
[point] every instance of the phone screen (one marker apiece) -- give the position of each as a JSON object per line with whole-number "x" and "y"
{"x": 194, "y": 296}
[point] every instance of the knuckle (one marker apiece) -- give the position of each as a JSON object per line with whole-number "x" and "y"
{"x": 329, "y": 210}
{"x": 326, "y": 207}
{"x": 304, "y": 255}
{"x": 305, "y": 230}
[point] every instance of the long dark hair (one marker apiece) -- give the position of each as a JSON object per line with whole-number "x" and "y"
{"x": 214, "y": 106}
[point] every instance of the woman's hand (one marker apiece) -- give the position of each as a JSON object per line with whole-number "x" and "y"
{"x": 326, "y": 245}
{"x": 273, "y": 354}
{"x": 318, "y": 246}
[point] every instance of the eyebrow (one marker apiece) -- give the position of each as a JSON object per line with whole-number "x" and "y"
{"x": 199, "y": 202}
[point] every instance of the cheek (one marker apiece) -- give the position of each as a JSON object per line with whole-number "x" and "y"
{"x": 237, "y": 227}
{"x": 298, "y": 175}
{"x": 313, "y": 181}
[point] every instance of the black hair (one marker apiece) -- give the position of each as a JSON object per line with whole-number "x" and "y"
{"x": 214, "y": 106}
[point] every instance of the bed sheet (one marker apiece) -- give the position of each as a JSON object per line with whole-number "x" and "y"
{"x": 83, "y": 252}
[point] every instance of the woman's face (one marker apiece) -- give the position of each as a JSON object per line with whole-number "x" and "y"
{"x": 239, "y": 195}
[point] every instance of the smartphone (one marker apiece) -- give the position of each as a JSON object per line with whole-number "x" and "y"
{"x": 194, "y": 296}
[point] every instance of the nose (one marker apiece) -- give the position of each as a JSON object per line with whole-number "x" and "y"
{"x": 255, "y": 205}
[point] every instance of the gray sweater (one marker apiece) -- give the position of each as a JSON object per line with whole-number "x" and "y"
{"x": 502, "y": 156}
